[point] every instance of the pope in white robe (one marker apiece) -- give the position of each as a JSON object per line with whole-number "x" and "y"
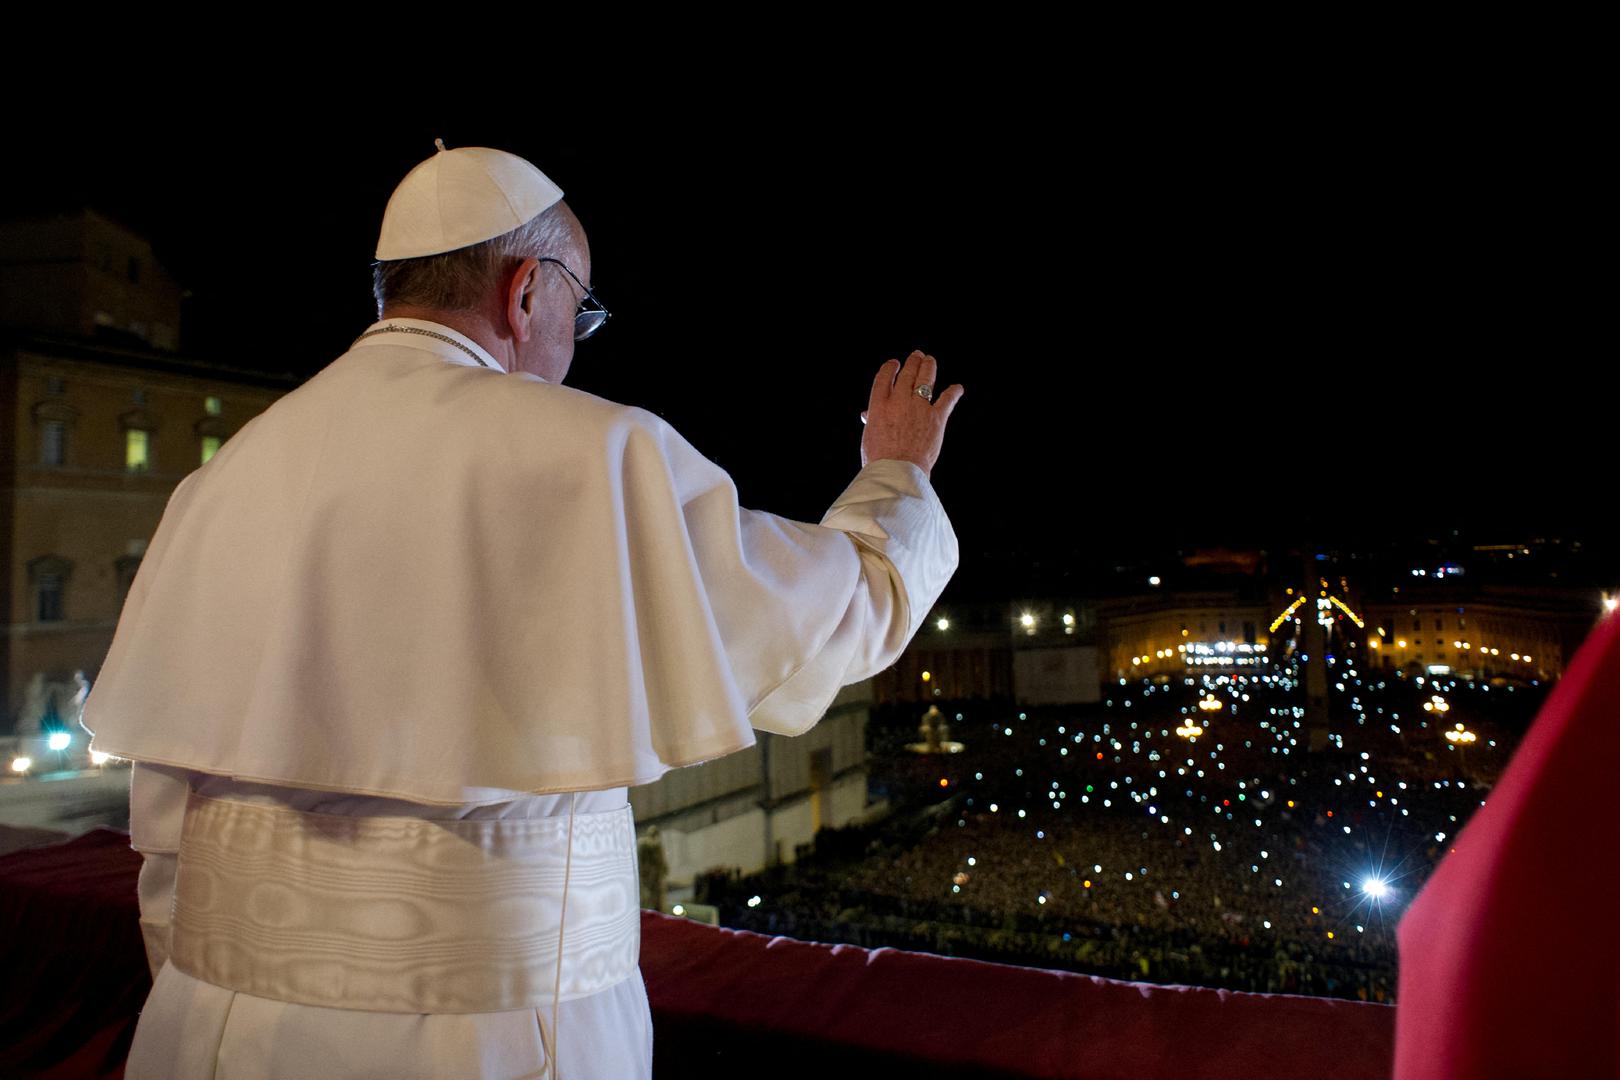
{"x": 392, "y": 661}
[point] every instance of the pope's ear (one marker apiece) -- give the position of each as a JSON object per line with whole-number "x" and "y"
{"x": 522, "y": 293}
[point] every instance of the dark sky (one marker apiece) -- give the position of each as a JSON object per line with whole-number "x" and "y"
{"x": 1180, "y": 319}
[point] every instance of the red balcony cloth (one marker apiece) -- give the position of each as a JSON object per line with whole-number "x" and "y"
{"x": 75, "y": 973}
{"x": 1510, "y": 955}
{"x": 725, "y": 1002}
{"x": 951, "y": 1016}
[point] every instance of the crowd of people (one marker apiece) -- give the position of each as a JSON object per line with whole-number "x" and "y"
{"x": 1099, "y": 840}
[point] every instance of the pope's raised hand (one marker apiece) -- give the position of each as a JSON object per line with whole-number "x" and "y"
{"x": 900, "y": 423}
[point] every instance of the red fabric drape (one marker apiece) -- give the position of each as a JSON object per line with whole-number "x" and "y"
{"x": 1510, "y": 954}
{"x": 73, "y": 972}
{"x": 726, "y": 1003}
{"x": 844, "y": 1009}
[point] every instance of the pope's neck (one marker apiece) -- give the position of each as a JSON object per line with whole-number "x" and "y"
{"x": 470, "y": 323}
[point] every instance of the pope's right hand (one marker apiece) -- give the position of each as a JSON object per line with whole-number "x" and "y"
{"x": 900, "y": 423}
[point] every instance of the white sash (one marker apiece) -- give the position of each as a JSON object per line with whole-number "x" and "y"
{"x": 405, "y": 914}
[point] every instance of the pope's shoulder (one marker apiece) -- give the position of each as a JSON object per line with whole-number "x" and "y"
{"x": 348, "y": 383}
{"x": 585, "y": 408}
{"x": 536, "y": 389}
{"x": 473, "y": 406}
{"x": 610, "y": 426}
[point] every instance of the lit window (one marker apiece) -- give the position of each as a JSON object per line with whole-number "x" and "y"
{"x": 210, "y": 446}
{"x": 136, "y": 447}
{"x": 211, "y": 404}
{"x": 52, "y": 442}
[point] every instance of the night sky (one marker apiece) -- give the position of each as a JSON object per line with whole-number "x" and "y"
{"x": 1179, "y": 320}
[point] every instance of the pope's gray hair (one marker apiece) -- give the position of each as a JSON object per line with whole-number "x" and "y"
{"x": 459, "y": 280}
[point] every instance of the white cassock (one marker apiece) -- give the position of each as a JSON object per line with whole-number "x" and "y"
{"x": 388, "y": 669}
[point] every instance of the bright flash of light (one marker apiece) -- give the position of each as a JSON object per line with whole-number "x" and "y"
{"x": 1376, "y": 888}
{"x": 59, "y": 740}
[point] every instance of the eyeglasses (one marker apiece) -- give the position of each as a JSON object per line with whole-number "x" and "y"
{"x": 587, "y": 321}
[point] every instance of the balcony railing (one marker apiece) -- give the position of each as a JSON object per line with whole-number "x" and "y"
{"x": 725, "y": 1003}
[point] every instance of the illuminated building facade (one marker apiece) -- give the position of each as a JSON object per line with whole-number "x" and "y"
{"x": 963, "y": 650}
{"x": 1518, "y": 633}
{"x": 1176, "y": 633}
{"x": 1030, "y": 651}
{"x": 101, "y": 421}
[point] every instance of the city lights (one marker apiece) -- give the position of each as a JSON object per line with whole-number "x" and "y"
{"x": 1209, "y": 830}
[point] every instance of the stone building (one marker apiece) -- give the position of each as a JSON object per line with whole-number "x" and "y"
{"x": 101, "y": 416}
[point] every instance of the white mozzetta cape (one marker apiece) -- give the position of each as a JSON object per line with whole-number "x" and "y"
{"x": 419, "y": 579}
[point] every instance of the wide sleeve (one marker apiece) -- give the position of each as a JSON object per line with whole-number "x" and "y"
{"x": 157, "y": 806}
{"x": 908, "y": 553}
{"x": 804, "y": 609}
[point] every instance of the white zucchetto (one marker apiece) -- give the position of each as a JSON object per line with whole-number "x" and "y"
{"x": 461, "y": 197}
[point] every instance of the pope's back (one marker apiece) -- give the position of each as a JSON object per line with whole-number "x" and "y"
{"x": 425, "y": 606}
